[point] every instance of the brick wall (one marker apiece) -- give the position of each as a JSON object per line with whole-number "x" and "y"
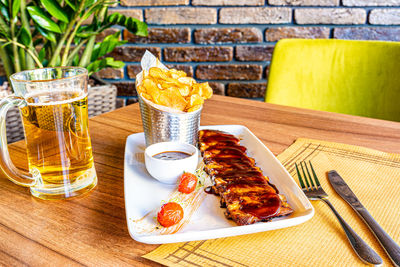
{"x": 230, "y": 42}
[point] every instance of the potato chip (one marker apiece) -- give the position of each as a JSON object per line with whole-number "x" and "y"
{"x": 194, "y": 108}
{"x": 173, "y": 82}
{"x": 184, "y": 90}
{"x": 158, "y": 73}
{"x": 172, "y": 88}
{"x": 147, "y": 96}
{"x": 196, "y": 100}
{"x": 176, "y": 74}
{"x": 172, "y": 98}
{"x": 206, "y": 90}
{"x": 140, "y": 89}
{"x": 187, "y": 80}
{"x": 151, "y": 89}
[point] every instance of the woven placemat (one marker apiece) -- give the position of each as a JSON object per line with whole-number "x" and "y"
{"x": 374, "y": 176}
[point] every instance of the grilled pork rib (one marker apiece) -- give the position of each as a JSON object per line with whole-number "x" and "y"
{"x": 246, "y": 193}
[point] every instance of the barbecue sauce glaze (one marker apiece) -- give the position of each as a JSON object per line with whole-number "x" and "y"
{"x": 237, "y": 172}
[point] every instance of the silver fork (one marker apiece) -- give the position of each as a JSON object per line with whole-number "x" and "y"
{"x": 314, "y": 191}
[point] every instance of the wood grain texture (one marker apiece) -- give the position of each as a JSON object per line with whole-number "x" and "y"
{"x": 92, "y": 230}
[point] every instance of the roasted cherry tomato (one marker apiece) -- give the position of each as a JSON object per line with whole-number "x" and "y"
{"x": 171, "y": 213}
{"x": 187, "y": 183}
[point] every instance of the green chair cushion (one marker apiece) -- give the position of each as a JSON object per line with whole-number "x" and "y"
{"x": 352, "y": 77}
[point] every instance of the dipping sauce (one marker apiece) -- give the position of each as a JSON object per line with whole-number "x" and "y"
{"x": 172, "y": 155}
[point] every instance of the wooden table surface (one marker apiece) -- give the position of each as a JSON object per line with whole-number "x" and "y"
{"x": 92, "y": 230}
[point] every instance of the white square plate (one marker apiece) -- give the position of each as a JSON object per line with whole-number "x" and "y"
{"x": 144, "y": 194}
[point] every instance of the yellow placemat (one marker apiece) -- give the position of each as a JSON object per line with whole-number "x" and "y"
{"x": 374, "y": 176}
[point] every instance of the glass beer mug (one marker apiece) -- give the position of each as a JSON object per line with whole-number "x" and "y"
{"x": 54, "y": 109}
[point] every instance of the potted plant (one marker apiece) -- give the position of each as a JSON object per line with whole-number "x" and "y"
{"x": 50, "y": 33}
{"x": 59, "y": 35}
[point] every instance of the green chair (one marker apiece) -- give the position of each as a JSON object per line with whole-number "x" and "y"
{"x": 352, "y": 77}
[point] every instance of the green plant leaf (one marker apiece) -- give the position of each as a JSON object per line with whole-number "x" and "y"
{"x": 71, "y": 4}
{"x": 25, "y": 37}
{"x": 75, "y": 62}
{"x": 92, "y": 11}
{"x": 86, "y": 31}
{"x": 55, "y": 10}
{"x": 42, "y": 19}
{"x": 114, "y": 64}
{"x": 48, "y": 35}
{"x": 86, "y": 34}
{"x": 106, "y": 46}
{"x": 4, "y": 2}
{"x": 4, "y": 12}
{"x": 63, "y": 26}
{"x": 131, "y": 24}
{"x": 15, "y": 8}
{"x": 89, "y": 27}
{"x": 4, "y": 31}
{"x": 42, "y": 54}
{"x": 104, "y": 63}
{"x": 4, "y": 28}
{"x": 89, "y": 3}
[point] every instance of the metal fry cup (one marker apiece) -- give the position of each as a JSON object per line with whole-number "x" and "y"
{"x": 164, "y": 126}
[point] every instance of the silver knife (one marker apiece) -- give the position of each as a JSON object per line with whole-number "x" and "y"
{"x": 340, "y": 186}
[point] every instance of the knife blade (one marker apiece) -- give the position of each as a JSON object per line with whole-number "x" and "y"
{"x": 389, "y": 245}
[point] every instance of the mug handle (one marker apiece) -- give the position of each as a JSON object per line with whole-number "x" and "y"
{"x": 17, "y": 176}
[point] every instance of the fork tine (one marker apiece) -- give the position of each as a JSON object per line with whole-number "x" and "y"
{"x": 315, "y": 176}
{"x": 299, "y": 176}
{"x": 305, "y": 176}
{"x": 309, "y": 176}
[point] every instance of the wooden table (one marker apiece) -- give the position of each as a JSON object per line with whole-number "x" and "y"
{"x": 92, "y": 230}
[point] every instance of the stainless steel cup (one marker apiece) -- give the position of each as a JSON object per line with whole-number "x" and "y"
{"x": 162, "y": 126}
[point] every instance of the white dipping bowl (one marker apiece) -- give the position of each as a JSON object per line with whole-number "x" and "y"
{"x": 168, "y": 171}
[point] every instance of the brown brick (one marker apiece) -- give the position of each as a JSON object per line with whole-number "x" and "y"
{"x": 125, "y": 88}
{"x": 256, "y": 15}
{"x": 330, "y": 16}
{"x": 371, "y": 2}
{"x": 368, "y": 33}
{"x": 248, "y": 90}
{"x": 304, "y": 2}
{"x": 229, "y": 72}
{"x": 228, "y": 2}
{"x": 154, "y": 2}
{"x": 385, "y": 16}
{"x": 198, "y": 54}
{"x": 275, "y": 34}
{"x": 181, "y": 15}
{"x": 120, "y": 102}
{"x": 131, "y": 53}
{"x": 218, "y": 88}
{"x": 160, "y": 35}
{"x": 100, "y": 37}
{"x": 227, "y": 35}
{"x": 133, "y": 70}
{"x": 131, "y": 101}
{"x": 110, "y": 73}
{"x": 254, "y": 52}
{"x": 186, "y": 68}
